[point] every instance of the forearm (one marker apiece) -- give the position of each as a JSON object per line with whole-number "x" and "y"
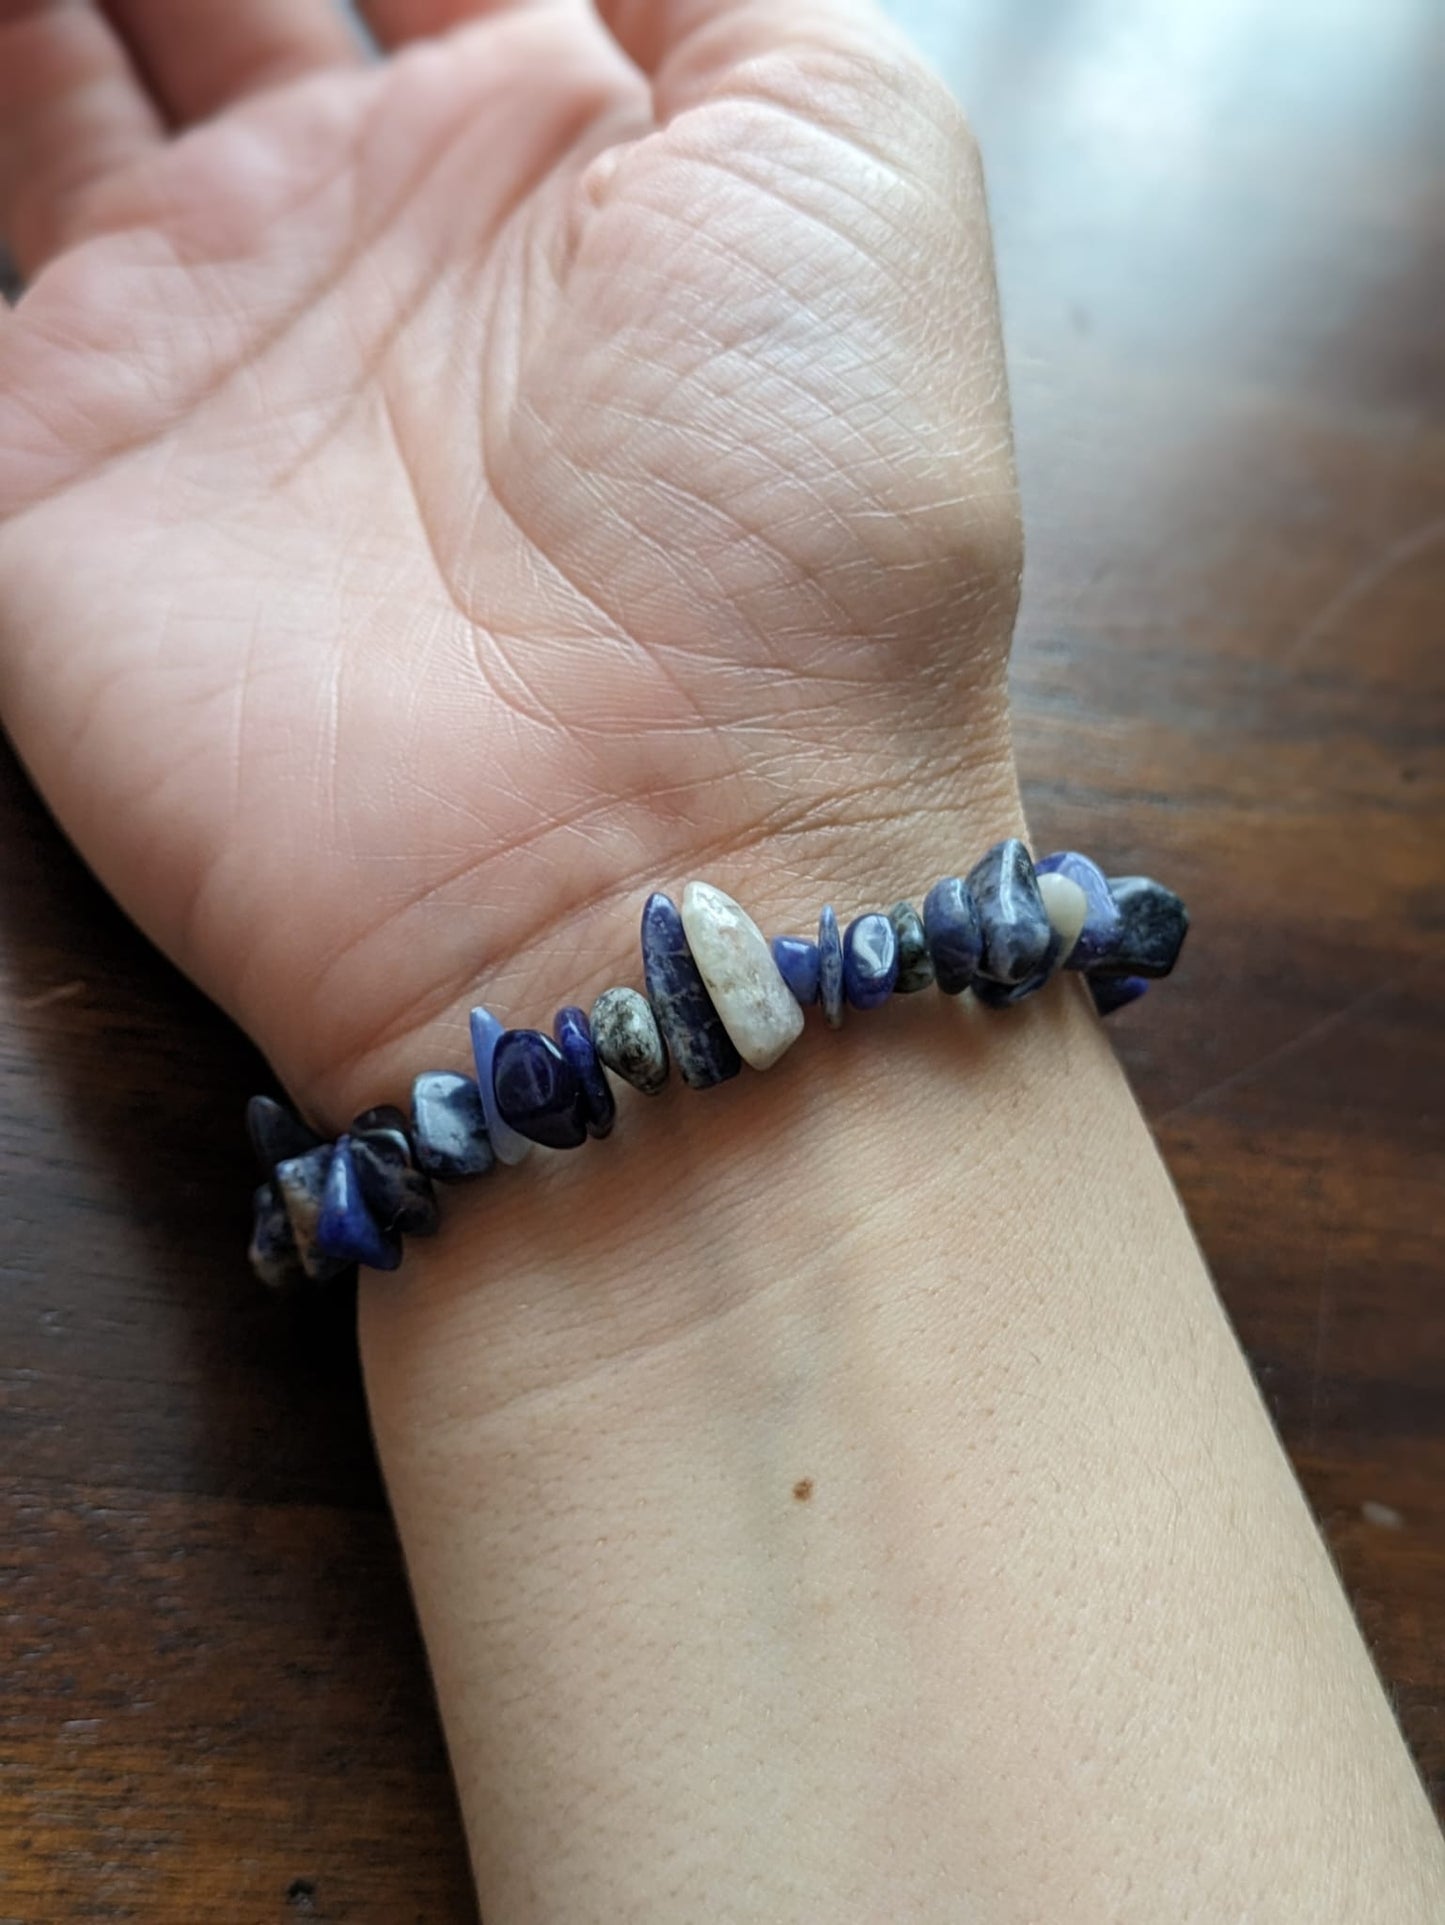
{"x": 842, "y": 1497}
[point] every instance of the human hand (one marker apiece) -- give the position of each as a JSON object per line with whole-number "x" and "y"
{"x": 443, "y": 497}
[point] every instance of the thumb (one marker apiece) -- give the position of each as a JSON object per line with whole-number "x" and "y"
{"x": 690, "y": 49}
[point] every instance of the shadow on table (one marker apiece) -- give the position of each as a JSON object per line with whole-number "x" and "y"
{"x": 125, "y": 1090}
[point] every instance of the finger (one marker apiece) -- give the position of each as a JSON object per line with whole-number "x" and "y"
{"x": 395, "y": 21}
{"x": 198, "y": 59}
{"x": 690, "y": 47}
{"x": 72, "y": 111}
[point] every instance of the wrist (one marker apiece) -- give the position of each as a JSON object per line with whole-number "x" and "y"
{"x": 806, "y": 1190}
{"x": 845, "y": 1448}
{"x": 879, "y": 825}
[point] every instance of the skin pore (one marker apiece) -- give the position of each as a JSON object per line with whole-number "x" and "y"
{"x": 444, "y": 495}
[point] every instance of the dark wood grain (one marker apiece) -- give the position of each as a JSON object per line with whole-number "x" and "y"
{"x": 1220, "y": 248}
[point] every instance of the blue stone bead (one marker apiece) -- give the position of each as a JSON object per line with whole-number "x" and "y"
{"x": 276, "y": 1133}
{"x": 915, "y": 965}
{"x": 394, "y": 1145}
{"x": 1155, "y": 925}
{"x": 346, "y": 1230}
{"x": 1103, "y": 925}
{"x": 953, "y": 933}
{"x": 690, "y": 1025}
{"x": 383, "y": 1116}
{"x": 400, "y": 1197}
{"x": 301, "y": 1184}
{"x": 449, "y": 1127}
{"x": 870, "y": 960}
{"x": 573, "y": 1034}
{"x": 537, "y": 1090}
{"x": 798, "y": 964}
{"x": 509, "y": 1144}
{"x": 1017, "y": 933}
{"x": 272, "y": 1252}
{"x": 830, "y": 967}
{"x": 1004, "y": 995}
{"x": 1113, "y": 992}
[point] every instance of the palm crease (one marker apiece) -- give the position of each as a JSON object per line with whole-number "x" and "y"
{"x": 440, "y": 499}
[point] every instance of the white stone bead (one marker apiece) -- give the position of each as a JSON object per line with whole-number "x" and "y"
{"x": 1067, "y": 907}
{"x": 757, "y": 1008}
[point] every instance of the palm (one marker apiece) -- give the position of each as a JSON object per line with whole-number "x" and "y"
{"x": 438, "y": 502}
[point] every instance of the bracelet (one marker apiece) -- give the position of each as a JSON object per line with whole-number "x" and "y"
{"x": 718, "y": 995}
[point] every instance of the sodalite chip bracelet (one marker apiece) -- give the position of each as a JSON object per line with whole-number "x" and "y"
{"x": 718, "y": 995}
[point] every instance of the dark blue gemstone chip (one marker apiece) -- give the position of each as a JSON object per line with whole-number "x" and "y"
{"x": 1014, "y": 923}
{"x": 1115, "y": 992}
{"x": 573, "y": 1034}
{"x": 870, "y": 961}
{"x": 953, "y": 933}
{"x": 301, "y": 1185}
{"x": 537, "y": 1090}
{"x": 798, "y": 964}
{"x": 1007, "y": 995}
{"x": 346, "y": 1231}
{"x": 691, "y": 1027}
{"x": 1155, "y": 923}
{"x": 830, "y": 967}
{"x": 276, "y": 1133}
{"x": 398, "y": 1195}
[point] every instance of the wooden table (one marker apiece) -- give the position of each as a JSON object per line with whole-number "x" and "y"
{"x": 1220, "y": 247}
